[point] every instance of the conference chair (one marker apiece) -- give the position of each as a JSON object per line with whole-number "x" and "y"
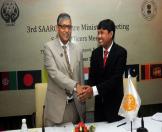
{"x": 40, "y": 93}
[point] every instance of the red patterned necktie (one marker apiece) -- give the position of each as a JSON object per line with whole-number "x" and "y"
{"x": 105, "y": 56}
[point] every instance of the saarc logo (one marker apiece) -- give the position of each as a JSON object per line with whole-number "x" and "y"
{"x": 9, "y": 12}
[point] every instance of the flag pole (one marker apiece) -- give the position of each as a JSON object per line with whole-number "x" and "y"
{"x": 131, "y": 126}
{"x": 130, "y": 103}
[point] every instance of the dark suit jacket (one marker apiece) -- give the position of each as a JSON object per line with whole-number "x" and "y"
{"x": 109, "y": 82}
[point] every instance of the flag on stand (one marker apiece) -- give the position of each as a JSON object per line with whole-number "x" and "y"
{"x": 131, "y": 102}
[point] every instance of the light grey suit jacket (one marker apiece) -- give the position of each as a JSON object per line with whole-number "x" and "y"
{"x": 59, "y": 80}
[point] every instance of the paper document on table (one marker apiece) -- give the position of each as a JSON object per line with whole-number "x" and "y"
{"x": 157, "y": 117}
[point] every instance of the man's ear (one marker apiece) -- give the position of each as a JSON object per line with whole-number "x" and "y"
{"x": 112, "y": 33}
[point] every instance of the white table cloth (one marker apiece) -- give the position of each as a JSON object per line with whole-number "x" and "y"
{"x": 150, "y": 124}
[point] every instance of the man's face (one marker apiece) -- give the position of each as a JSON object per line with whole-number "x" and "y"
{"x": 104, "y": 37}
{"x": 64, "y": 29}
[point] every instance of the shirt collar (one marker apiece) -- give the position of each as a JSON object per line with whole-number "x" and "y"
{"x": 67, "y": 44}
{"x": 109, "y": 47}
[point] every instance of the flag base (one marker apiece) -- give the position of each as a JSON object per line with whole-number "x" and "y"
{"x": 142, "y": 129}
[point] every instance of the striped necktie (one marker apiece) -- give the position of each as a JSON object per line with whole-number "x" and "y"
{"x": 67, "y": 61}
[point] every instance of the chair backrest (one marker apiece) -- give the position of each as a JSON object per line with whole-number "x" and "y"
{"x": 40, "y": 93}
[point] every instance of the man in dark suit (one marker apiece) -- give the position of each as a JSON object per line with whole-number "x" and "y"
{"x": 107, "y": 66}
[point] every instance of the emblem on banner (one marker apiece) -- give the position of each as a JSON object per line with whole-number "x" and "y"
{"x": 9, "y": 12}
{"x": 5, "y": 81}
{"x": 149, "y": 9}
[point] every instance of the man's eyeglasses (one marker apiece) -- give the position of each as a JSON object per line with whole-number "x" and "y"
{"x": 65, "y": 26}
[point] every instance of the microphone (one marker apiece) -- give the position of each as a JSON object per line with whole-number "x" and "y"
{"x": 142, "y": 128}
{"x": 43, "y": 129}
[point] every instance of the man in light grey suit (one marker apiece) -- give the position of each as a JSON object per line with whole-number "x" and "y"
{"x": 65, "y": 74}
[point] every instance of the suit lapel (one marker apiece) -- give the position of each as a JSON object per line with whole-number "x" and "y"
{"x": 72, "y": 56}
{"x": 100, "y": 57}
{"x": 110, "y": 56}
{"x": 61, "y": 54}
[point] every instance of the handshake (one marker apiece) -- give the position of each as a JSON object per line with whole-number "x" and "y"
{"x": 84, "y": 92}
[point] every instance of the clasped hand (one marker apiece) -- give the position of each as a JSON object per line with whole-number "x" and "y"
{"x": 84, "y": 92}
